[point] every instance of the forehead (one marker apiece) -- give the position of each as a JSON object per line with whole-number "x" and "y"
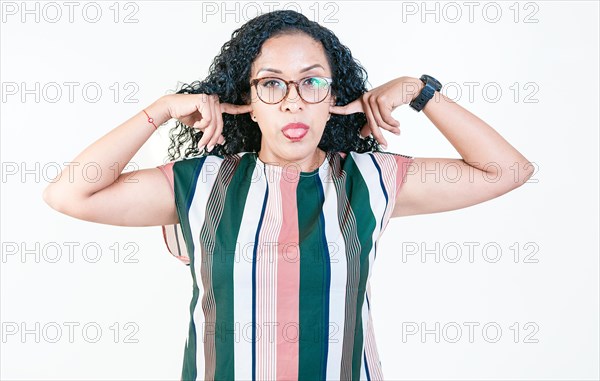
{"x": 290, "y": 54}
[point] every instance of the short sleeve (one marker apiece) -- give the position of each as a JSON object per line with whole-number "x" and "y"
{"x": 403, "y": 163}
{"x": 173, "y": 234}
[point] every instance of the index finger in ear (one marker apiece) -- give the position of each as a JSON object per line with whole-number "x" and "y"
{"x": 351, "y": 108}
{"x": 235, "y": 109}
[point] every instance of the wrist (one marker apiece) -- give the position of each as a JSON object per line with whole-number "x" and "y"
{"x": 159, "y": 111}
{"x": 412, "y": 88}
{"x": 429, "y": 87}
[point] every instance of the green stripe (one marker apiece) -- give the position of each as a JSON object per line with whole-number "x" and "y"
{"x": 222, "y": 267}
{"x": 185, "y": 175}
{"x": 313, "y": 262}
{"x": 365, "y": 223}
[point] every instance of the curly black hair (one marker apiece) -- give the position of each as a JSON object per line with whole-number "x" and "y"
{"x": 229, "y": 78}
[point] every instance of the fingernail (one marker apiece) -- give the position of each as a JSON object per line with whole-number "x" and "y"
{"x": 210, "y": 147}
{"x": 200, "y": 148}
{"x": 384, "y": 145}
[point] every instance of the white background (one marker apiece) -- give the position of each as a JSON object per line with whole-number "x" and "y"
{"x": 550, "y": 56}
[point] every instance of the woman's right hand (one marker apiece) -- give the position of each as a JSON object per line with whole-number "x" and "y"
{"x": 203, "y": 112}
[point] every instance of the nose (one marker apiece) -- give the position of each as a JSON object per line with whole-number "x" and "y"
{"x": 292, "y": 101}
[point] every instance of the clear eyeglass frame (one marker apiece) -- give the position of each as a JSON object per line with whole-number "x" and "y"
{"x": 256, "y": 81}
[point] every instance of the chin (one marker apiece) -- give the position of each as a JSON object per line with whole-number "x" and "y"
{"x": 300, "y": 150}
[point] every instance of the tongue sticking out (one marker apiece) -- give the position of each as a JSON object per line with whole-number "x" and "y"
{"x": 295, "y": 132}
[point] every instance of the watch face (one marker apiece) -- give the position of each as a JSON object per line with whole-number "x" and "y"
{"x": 432, "y": 82}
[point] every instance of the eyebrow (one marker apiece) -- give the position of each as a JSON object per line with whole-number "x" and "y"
{"x": 280, "y": 72}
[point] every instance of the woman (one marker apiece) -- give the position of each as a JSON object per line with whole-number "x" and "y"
{"x": 279, "y": 217}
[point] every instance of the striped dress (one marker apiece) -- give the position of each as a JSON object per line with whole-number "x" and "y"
{"x": 280, "y": 261}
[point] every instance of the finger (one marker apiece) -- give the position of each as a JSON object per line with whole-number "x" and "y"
{"x": 365, "y": 130}
{"x": 218, "y": 122}
{"x": 198, "y": 125}
{"x": 235, "y": 109}
{"x": 205, "y": 116}
{"x": 376, "y": 108}
{"x": 388, "y": 118}
{"x": 351, "y": 108}
{"x": 221, "y": 139}
{"x": 205, "y": 124}
{"x": 375, "y": 130}
{"x": 214, "y": 109}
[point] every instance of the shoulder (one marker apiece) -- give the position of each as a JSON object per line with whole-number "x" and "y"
{"x": 206, "y": 163}
{"x": 376, "y": 158}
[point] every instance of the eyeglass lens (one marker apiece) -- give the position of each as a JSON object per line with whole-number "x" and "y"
{"x": 312, "y": 89}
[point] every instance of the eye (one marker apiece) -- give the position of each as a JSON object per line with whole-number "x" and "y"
{"x": 271, "y": 82}
{"x": 315, "y": 82}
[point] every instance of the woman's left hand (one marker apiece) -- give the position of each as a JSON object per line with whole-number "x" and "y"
{"x": 378, "y": 104}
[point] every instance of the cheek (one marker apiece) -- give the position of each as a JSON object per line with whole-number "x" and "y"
{"x": 263, "y": 114}
{"x": 323, "y": 112}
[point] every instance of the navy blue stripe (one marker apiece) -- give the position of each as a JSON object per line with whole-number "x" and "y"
{"x": 386, "y": 201}
{"x": 367, "y": 367}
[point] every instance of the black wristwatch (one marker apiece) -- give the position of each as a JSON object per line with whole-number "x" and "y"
{"x": 431, "y": 86}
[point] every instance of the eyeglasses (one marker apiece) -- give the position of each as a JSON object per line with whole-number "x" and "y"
{"x": 273, "y": 90}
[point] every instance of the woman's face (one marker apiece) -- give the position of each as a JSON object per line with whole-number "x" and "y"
{"x": 291, "y": 57}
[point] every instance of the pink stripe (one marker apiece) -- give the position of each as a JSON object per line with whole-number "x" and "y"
{"x": 403, "y": 165}
{"x": 167, "y": 170}
{"x": 288, "y": 284}
{"x": 266, "y": 283}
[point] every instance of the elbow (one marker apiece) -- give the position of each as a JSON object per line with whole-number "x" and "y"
{"x": 515, "y": 178}
{"x": 49, "y": 197}
{"x": 65, "y": 203}
{"x": 508, "y": 178}
{"x": 526, "y": 172}
{"x": 53, "y": 198}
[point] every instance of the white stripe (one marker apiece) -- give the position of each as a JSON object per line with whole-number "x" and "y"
{"x": 389, "y": 169}
{"x": 242, "y": 278}
{"x": 337, "y": 291}
{"x": 206, "y": 180}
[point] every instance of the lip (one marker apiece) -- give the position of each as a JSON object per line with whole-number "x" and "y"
{"x": 298, "y": 135}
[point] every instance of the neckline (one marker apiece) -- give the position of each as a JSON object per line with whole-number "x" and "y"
{"x": 293, "y": 169}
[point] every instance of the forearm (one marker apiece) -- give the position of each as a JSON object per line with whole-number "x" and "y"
{"x": 477, "y": 143}
{"x": 106, "y": 158}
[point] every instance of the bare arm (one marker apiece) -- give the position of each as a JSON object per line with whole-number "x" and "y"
{"x": 138, "y": 198}
{"x": 489, "y": 167}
